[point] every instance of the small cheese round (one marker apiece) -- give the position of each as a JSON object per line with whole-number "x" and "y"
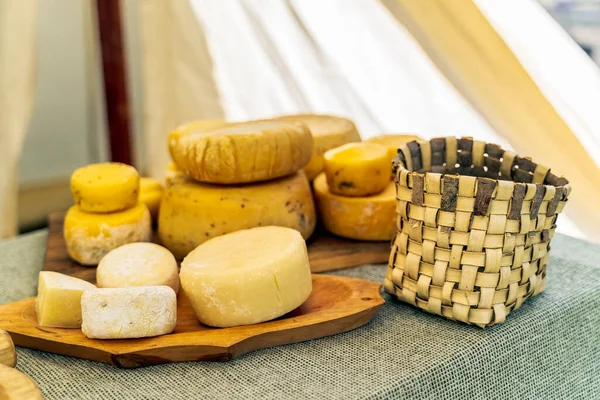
{"x": 328, "y": 133}
{"x": 359, "y": 218}
{"x": 105, "y": 187}
{"x": 138, "y": 264}
{"x": 242, "y": 152}
{"x": 357, "y": 169}
{"x": 151, "y": 192}
{"x": 89, "y": 236}
{"x": 392, "y": 142}
{"x": 193, "y": 212}
{"x": 247, "y": 277}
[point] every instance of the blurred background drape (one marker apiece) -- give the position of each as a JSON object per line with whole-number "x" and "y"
{"x": 17, "y": 68}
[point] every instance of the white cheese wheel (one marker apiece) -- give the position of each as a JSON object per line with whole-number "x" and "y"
{"x": 126, "y": 313}
{"x": 247, "y": 277}
{"x": 58, "y": 303}
{"x": 138, "y": 264}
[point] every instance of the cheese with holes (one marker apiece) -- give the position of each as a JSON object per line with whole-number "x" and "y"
{"x": 89, "y": 236}
{"x": 242, "y": 152}
{"x": 58, "y": 303}
{"x": 105, "y": 187}
{"x": 193, "y": 212}
{"x": 151, "y": 192}
{"x": 357, "y": 169}
{"x": 247, "y": 277}
{"x": 359, "y": 218}
{"x": 126, "y": 313}
{"x": 138, "y": 264}
{"x": 328, "y": 133}
{"x": 392, "y": 142}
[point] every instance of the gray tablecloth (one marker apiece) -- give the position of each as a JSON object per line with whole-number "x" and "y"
{"x": 548, "y": 349}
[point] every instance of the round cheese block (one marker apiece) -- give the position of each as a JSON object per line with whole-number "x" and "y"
{"x": 392, "y": 142}
{"x": 138, "y": 264}
{"x": 193, "y": 212}
{"x": 328, "y": 132}
{"x": 359, "y": 218}
{"x": 105, "y": 187}
{"x": 357, "y": 169}
{"x": 242, "y": 152}
{"x": 247, "y": 277}
{"x": 89, "y": 236}
{"x": 151, "y": 192}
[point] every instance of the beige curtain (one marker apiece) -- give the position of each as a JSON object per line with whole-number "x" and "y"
{"x": 17, "y": 84}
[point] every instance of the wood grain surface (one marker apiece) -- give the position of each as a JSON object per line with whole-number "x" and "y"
{"x": 15, "y": 385}
{"x": 8, "y": 355}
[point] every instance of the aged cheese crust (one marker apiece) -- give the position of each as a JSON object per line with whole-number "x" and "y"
{"x": 126, "y": 313}
{"x": 242, "y": 152}
{"x": 173, "y": 174}
{"x": 90, "y": 236}
{"x": 359, "y": 218}
{"x": 138, "y": 264}
{"x": 392, "y": 142}
{"x": 58, "y": 303}
{"x": 151, "y": 192}
{"x": 328, "y": 132}
{"x": 357, "y": 169}
{"x": 105, "y": 187}
{"x": 192, "y": 212}
{"x": 247, "y": 277}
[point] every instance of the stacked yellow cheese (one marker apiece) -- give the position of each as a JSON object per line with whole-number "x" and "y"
{"x": 107, "y": 212}
{"x": 232, "y": 176}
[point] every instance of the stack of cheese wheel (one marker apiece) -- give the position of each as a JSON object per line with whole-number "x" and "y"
{"x": 232, "y": 176}
{"x": 355, "y": 197}
{"x": 107, "y": 211}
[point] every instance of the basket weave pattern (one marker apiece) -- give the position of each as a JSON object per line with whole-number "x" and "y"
{"x": 474, "y": 224}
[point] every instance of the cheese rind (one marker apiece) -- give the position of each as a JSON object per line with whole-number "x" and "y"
{"x": 192, "y": 212}
{"x": 173, "y": 174}
{"x": 58, "y": 303}
{"x": 89, "y": 236}
{"x": 359, "y": 218}
{"x": 328, "y": 132}
{"x": 105, "y": 187}
{"x": 138, "y": 264}
{"x": 151, "y": 192}
{"x": 357, "y": 169}
{"x": 393, "y": 142}
{"x": 126, "y": 313}
{"x": 247, "y": 277}
{"x": 242, "y": 152}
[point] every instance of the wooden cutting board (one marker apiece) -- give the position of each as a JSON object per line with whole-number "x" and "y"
{"x": 336, "y": 304}
{"x": 326, "y": 252}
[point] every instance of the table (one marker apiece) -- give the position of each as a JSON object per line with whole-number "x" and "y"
{"x": 550, "y": 348}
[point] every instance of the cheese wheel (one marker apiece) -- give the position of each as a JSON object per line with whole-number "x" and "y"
{"x": 242, "y": 152}
{"x": 392, "y": 142}
{"x": 151, "y": 192}
{"x": 105, "y": 187}
{"x": 247, "y": 277}
{"x": 357, "y": 169}
{"x": 126, "y": 313}
{"x": 89, "y": 236}
{"x": 328, "y": 133}
{"x": 360, "y": 218}
{"x": 138, "y": 264}
{"x": 173, "y": 174}
{"x": 58, "y": 303}
{"x": 192, "y": 212}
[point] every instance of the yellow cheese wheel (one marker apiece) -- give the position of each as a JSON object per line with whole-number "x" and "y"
{"x": 194, "y": 126}
{"x": 151, "y": 192}
{"x": 247, "y": 277}
{"x": 357, "y": 169}
{"x": 193, "y": 212}
{"x": 360, "y": 218}
{"x": 105, "y": 187}
{"x": 392, "y": 142}
{"x": 328, "y": 132}
{"x": 89, "y": 236}
{"x": 242, "y": 152}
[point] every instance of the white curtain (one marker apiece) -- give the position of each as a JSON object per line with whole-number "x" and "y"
{"x": 17, "y": 73}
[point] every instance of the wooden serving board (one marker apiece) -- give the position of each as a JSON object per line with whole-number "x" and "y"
{"x": 326, "y": 252}
{"x": 336, "y": 304}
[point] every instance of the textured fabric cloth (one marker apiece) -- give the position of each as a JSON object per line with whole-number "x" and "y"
{"x": 548, "y": 349}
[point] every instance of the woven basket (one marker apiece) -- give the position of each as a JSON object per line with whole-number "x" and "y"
{"x": 474, "y": 224}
